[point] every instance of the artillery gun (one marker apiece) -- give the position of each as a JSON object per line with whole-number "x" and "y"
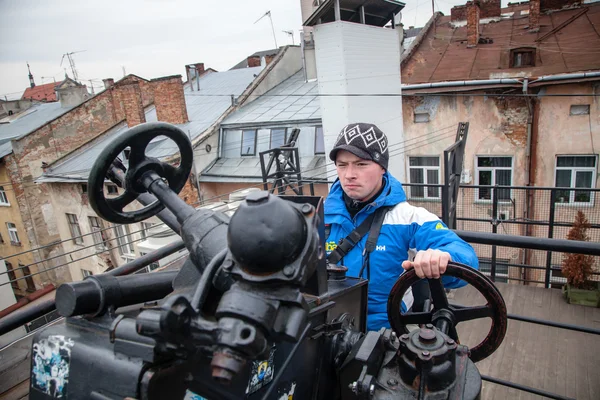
{"x": 254, "y": 312}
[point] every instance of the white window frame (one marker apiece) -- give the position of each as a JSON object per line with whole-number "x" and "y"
{"x": 13, "y": 234}
{"x": 74, "y": 228}
{"x": 285, "y": 136}
{"x": 574, "y": 171}
{"x": 253, "y": 152}
{"x": 3, "y": 199}
{"x": 124, "y": 241}
{"x": 319, "y": 138}
{"x": 493, "y": 171}
{"x": 437, "y": 168}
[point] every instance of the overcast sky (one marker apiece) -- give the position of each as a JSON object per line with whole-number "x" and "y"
{"x": 149, "y": 38}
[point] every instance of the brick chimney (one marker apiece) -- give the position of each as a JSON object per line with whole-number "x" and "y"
{"x": 131, "y": 98}
{"x": 169, "y": 100}
{"x": 472, "y": 23}
{"x": 458, "y": 13}
{"x": 534, "y": 16}
{"x": 108, "y": 83}
{"x": 489, "y": 8}
{"x": 253, "y": 61}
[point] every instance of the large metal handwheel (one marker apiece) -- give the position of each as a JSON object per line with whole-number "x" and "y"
{"x": 451, "y": 315}
{"x": 137, "y": 139}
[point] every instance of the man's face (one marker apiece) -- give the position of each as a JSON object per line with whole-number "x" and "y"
{"x": 360, "y": 179}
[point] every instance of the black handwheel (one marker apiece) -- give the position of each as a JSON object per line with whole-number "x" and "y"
{"x": 137, "y": 139}
{"x": 494, "y": 309}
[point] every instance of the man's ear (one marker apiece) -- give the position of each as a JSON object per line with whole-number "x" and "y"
{"x": 382, "y": 170}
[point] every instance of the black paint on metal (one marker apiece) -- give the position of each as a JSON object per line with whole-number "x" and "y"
{"x": 525, "y": 388}
{"x": 453, "y": 162}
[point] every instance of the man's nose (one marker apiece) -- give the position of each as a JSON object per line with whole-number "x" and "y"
{"x": 350, "y": 172}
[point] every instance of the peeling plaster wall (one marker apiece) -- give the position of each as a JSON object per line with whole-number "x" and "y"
{"x": 69, "y": 198}
{"x": 497, "y": 127}
{"x": 10, "y": 213}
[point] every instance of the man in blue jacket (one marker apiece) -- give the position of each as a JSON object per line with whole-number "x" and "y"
{"x": 409, "y": 236}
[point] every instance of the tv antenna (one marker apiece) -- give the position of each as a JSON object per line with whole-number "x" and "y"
{"x": 291, "y": 33}
{"x": 71, "y": 63}
{"x": 268, "y": 14}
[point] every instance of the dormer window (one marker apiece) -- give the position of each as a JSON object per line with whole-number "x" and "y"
{"x": 522, "y": 57}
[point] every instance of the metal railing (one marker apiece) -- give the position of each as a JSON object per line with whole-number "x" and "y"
{"x": 537, "y": 212}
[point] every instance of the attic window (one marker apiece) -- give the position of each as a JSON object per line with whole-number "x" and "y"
{"x": 421, "y": 117}
{"x": 520, "y": 58}
{"x": 580, "y": 109}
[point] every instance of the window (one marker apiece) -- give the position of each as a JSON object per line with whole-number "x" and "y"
{"x": 84, "y": 188}
{"x": 124, "y": 240}
{"x": 249, "y": 143}
{"x": 85, "y": 273}
{"x": 12, "y": 234}
{"x": 74, "y": 228}
{"x": 12, "y": 277}
{"x": 424, "y": 170}
{"x": 3, "y": 198}
{"x": 485, "y": 266}
{"x": 278, "y": 137}
{"x": 580, "y": 109}
{"x": 146, "y": 226}
{"x": 575, "y": 172}
{"x": 98, "y": 234}
{"x": 319, "y": 140}
{"x": 149, "y": 268}
{"x": 112, "y": 189}
{"x": 28, "y": 277}
{"x": 494, "y": 171}
{"x": 520, "y": 58}
{"x": 421, "y": 117}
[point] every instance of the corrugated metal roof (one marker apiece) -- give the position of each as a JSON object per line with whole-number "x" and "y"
{"x": 203, "y": 107}
{"x": 292, "y": 100}
{"x": 28, "y": 121}
{"x": 443, "y": 54}
{"x": 247, "y": 169}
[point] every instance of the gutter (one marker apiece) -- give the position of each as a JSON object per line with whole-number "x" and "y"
{"x": 479, "y": 82}
{"x": 579, "y": 75}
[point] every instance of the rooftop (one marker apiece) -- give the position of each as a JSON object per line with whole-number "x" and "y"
{"x": 204, "y": 107}
{"x": 292, "y": 100}
{"x": 26, "y": 122}
{"x": 41, "y": 92}
{"x": 443, "y": 55}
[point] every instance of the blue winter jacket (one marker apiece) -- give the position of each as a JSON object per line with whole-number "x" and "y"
{"x": 406, "y": 229}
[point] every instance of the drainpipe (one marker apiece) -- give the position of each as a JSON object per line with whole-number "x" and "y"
{"x": 528, "y": 200}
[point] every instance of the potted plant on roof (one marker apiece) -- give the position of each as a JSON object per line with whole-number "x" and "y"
{"x": 578, "y": 268}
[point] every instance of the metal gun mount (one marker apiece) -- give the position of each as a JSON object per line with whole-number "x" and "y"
{"x": 251, "y": 314}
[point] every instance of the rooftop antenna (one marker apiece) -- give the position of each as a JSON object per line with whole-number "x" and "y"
{"x": 291, "y": 33}
{"x": 268, "y": 14}
{"x": 31, "y": 81}
{"x": 71, "y": 63}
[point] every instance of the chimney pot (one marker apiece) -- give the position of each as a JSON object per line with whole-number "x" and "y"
{"x": 108, "y": 83}
{"x": 472, "y": 23}
{"x": 253, "y": 61}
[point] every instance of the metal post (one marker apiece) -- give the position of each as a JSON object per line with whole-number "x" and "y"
{"x": 494, "y": 229}
{"x": 195, "y": 171}
{"x": 337, "y": 11}
{"x": 550, "y": 235}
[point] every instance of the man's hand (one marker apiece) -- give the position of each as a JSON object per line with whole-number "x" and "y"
{"x": 429, "y": 263}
